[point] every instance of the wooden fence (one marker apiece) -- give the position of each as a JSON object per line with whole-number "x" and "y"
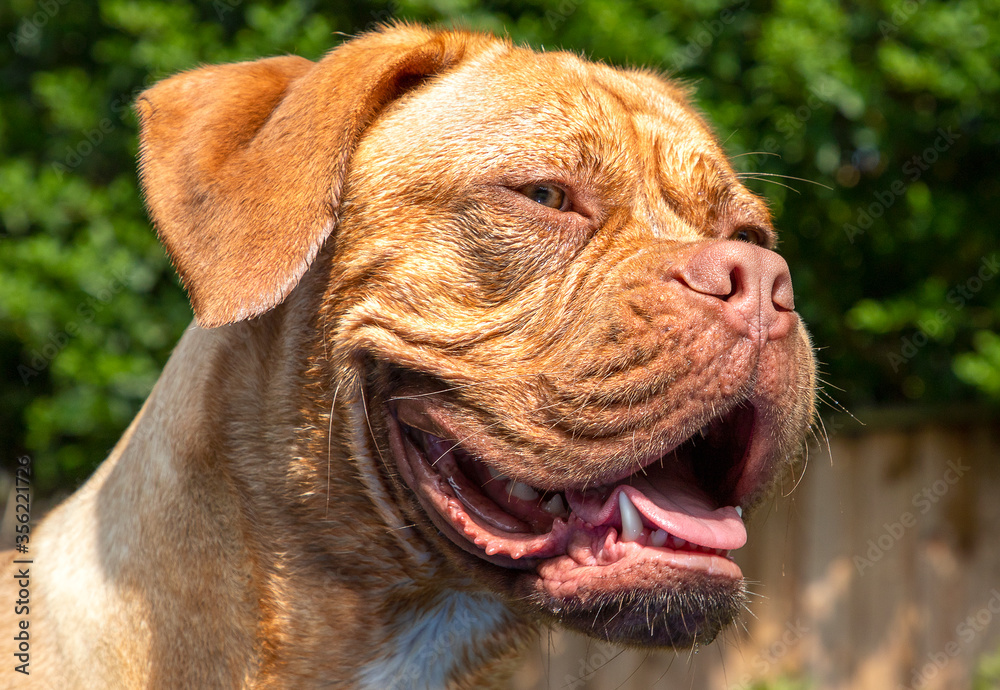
{"x": 881, "y": 571}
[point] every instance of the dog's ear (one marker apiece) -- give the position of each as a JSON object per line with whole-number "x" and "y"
{"x": 242, "y": 165}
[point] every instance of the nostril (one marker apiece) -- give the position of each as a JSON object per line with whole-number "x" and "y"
{"x": 734, "y": 286}
{"x": 782, "y": 295}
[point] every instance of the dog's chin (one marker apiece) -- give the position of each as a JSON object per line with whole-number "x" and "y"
{"x": 683, "y": 610}
{"x": 642, "y": 559}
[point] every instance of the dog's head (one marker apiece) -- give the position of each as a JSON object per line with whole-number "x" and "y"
{"x": 575, "y": 346}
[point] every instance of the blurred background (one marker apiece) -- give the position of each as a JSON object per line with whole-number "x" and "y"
{"x": 872, "y": 128}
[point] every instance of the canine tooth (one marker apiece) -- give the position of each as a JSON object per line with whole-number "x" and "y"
{"x": 739, "y": 511}
{"x": 522, "y": 491}
{"x": 555, "y": 505}
{"x": 659, "y": 537}
{"x": 631, "y": 520}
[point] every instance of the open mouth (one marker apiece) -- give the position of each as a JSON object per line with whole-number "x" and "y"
{"x": 676, "y": 516}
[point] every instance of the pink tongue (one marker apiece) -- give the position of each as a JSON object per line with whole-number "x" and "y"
{"x": 669, "y": 503}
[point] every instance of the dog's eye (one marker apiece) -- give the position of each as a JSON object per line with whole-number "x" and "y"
{"x": 751, "y": 235}
{"x": 545, "y": 194}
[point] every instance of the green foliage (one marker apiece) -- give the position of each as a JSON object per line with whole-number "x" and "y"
{"x": 781, "y": 684}
{"x": 982, "y": 367}
{"x": 89, "y": 306}
{"x": 890, "y": 105}
{"x": 988, "y": 673}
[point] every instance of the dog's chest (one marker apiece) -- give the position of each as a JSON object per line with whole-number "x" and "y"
{"x": 426, "y": 648}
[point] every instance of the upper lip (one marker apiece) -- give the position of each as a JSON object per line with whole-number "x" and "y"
{"x": 718, "y": 427}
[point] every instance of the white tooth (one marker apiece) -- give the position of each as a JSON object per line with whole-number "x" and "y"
{"x": 739, "y": 511}
{"x": 658, "y": 538}
{"x": 522, "y": 491}
{"x": 631, "y": 520}
{"x": 495, "y": 475}
{"x": 555, "y": 505}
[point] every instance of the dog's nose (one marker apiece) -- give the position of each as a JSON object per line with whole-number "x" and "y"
{"x": 751, "y": 280}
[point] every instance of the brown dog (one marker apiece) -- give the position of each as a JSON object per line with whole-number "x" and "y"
{"x": 486, "y": 338}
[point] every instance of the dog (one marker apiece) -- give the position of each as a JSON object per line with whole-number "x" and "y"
{"x": 486, "y": 340}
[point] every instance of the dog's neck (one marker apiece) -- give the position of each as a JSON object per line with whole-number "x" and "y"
{"x": 425, "y": 650}
{"x": 353, "y": 601}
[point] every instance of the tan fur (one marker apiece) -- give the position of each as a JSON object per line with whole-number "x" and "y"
{"x": 336, "y": 224}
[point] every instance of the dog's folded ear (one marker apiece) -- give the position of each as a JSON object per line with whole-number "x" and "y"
{"x": 242, "y": 165}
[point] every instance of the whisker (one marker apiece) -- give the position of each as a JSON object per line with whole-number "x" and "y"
{"x": 757, "y": 174}
{"x": 329, "y": 449}
{"x": 402, "y": 527}
{"x": 805, "y": 465}
{"x": 461, "y": 386}
{"x": 670, "y": 665}
{"x": 757, "y": 153}
{"x": 634, "y": 671}
{"x": 368, "y": 421}
{"x": 764, "y": 179}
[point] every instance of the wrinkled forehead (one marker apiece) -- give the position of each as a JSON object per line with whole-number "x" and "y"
{"x": 511, "y": 106}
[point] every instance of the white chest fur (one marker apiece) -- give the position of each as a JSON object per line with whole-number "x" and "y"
{"x": 422, "y": 650}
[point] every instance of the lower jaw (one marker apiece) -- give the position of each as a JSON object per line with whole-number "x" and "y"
{"x": 677, "y": 611}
